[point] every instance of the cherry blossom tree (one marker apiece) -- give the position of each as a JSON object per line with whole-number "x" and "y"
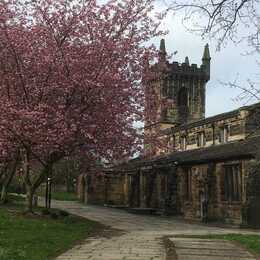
{"x": 70, "y": 79}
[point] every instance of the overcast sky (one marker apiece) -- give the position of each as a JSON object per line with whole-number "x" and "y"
{"x": 226, "y": 64}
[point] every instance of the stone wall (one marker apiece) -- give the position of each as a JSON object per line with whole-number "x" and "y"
{"x": 103, "y": 189}
{"x": 207, "y": 192}
{"x": 252, "y": 209}
{"x": 115, "y": 190}
{"x": 205, "y": 200}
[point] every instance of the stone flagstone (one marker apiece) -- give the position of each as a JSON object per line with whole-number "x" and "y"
{"x": 193, "y": 248}
{"x": 142, "y": 238}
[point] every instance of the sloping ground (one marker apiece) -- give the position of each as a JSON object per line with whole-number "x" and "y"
{"x": 144, "y": 236}
{"x": 38, "y": 237}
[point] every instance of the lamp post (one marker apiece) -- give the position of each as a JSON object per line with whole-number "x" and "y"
{"x": 49, "y": 195}
{"x": 48, "y": 191}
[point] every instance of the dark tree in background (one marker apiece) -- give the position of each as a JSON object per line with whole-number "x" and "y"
{"x": 67, "y": 171}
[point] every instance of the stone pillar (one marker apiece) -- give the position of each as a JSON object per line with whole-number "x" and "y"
{"x": 171, "y": 197}
{"x": 142, "y": 190}
{"x": 251, "y": 211}
{"x": 159, "y": 191}
{"x": 126, "y": 189}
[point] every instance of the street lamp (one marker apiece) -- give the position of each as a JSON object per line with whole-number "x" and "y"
{"x": 48, "y": 193}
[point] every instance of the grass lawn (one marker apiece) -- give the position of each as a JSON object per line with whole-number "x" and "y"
{"x": 39, "y": 238}
{"x": 252, "y": 242}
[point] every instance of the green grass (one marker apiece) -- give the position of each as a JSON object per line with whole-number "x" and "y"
{"x": 38, "y": 238}
{"x": 67, "y": 196}
{"x": 251, "y": 242}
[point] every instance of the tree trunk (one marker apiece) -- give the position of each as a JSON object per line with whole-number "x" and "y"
{"x": 8, "y": 179}
{"x": 29, "y": 199}
{"x": 32, "y": 187}
{"x": 32, "y": 184}
{"x": 27, "y": 181}
{"x": 3, "y": 198}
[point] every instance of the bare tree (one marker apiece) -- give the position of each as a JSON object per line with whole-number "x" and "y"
{"x": 225, "y": 20}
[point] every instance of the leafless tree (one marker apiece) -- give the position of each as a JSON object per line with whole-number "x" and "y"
{"x": 224, "y": 21}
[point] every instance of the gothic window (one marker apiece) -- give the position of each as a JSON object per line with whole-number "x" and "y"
{"x": 201, "y": 139}
{"x": 171, "y": 89}
{"x": 188, "y": 184}
{"x": 223, "y": 135}
{"x": 232, "y": 179}
{"x": 165, "y": 88}
{"x": 182, "y": 102}
{"x": 183, "y": 98}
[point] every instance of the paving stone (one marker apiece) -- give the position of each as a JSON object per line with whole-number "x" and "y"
{"x": 143, "y": 237}
{"x": 185, "y": 257}
{"x": 188, "y": 248}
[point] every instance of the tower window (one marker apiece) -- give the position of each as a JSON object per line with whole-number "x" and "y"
{"x": 183, "y": 110}
{"x": 165, "y": 88}
{"x": 183, "y": 97}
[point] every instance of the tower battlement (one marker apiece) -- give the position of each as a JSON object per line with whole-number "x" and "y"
{"x": 184, "y": 69}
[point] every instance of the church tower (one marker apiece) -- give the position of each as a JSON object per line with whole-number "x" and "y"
{"x": 181, "y": 84}
{"x": 176, "y": 96}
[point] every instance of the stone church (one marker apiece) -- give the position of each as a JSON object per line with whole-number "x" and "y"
{"x": 207, "y": 168}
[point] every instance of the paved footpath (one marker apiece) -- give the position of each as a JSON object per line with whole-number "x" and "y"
{"x": 149, "y": 238}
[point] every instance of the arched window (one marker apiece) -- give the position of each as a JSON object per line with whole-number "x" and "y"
{"x": 183, "y": 109}
{"x": 183, "y": 97}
